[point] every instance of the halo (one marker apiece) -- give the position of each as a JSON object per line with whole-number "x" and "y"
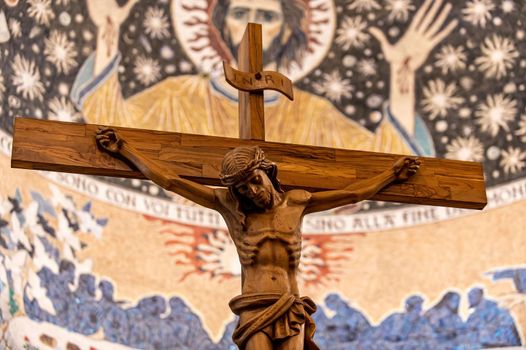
{"x": 204, "y": 46}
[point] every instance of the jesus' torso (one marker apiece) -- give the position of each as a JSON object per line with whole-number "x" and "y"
{"x": 269, "y": 244}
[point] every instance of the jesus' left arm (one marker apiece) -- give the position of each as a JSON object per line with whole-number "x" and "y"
{"x": 401, "y": 170}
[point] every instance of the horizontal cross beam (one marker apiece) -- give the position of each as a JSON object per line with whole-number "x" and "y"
{"x": 71, "y": 147}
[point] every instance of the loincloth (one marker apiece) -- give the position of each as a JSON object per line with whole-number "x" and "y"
{"x": 278, "y": 316}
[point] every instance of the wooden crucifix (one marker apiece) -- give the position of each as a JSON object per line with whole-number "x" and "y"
{"x": 263, "y": 214}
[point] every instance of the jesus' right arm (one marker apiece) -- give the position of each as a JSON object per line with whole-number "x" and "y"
{"x": 200, "y": 194}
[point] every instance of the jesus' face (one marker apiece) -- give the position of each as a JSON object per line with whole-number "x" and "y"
{"x": 268, "y": 13}
{"x": 257, "y": 188}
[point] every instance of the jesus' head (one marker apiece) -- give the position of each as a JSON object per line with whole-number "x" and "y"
{"x": 251, "y": 178}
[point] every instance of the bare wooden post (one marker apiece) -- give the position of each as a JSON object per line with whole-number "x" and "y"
{"x": 251, "y": 81}
{"x": 251, "y": 104}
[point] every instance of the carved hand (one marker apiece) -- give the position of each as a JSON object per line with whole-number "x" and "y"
{"x": 405, "y": 167}
{"x": 108, "y": 139}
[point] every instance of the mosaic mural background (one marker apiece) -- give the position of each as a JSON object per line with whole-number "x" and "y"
{"x": 99, "y": 263}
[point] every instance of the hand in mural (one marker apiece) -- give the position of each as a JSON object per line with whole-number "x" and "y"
{"x": 108, "y": 139}
{"x": 408, "y": 54}
{"x": 103, "y": 11}
{"x": 423, "y": 34}
{"x": 107, "y": 16}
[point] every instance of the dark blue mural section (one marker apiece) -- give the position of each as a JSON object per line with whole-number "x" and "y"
{"x": 158, "y": 323}
{"x": 517, "y": 276}
{"x": 154, "y": 323}
{"x": 440, "y": 327}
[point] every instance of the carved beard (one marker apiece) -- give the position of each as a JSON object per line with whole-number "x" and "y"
{"x": 270, "y": 55}
{"x": 253, "y": 205}
{"x": 265, "y": 202}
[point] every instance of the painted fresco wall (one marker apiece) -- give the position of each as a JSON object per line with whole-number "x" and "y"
{"x": 99, "y": 263}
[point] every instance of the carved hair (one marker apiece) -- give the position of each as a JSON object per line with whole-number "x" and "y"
{"x": 242, "y": 161}
{"x": 295, "y": 17}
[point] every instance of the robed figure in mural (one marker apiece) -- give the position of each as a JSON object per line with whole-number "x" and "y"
{"x": 264, "y": 222}
{"x": 206, "y": 104}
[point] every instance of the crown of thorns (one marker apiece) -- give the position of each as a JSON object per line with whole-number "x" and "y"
{"x": 241, "y": 162}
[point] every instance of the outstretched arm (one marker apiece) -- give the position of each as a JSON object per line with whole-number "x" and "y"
{"x": 200, "y": 194}
{"x": 427, "y": 29}
{"x": 108, "y": 16}
{"x": 401, "y": 170}
{"x": 97, "y": 91}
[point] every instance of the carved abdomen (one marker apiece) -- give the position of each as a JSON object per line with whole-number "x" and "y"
{"x": 282, "y": 249}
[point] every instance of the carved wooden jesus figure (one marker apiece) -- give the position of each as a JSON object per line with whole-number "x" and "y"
{"x": 264, "y": 223}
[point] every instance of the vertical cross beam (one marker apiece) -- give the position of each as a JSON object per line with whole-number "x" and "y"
{"x": 251, "y": 81}
{"x": 251, "y": 104}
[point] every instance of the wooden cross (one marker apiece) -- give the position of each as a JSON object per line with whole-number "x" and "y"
{"x": 71, "y": 147}
{"x": 251, "y": 81}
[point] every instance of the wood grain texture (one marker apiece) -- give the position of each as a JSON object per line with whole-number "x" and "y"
{"x": 71, "y": 147}
{"x": 251, "y": 104}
